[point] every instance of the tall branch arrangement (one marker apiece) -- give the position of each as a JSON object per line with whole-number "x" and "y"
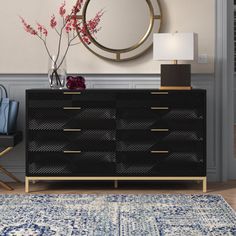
{"x": 70, "y": 25}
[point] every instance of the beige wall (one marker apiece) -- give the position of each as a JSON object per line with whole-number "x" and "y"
{"x": 20, "y": 53}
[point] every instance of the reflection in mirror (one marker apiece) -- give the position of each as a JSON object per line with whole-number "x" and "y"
{"x": 127, "y": 27}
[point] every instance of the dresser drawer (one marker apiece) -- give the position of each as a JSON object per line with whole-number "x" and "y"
{"x": 164, "y": 164}
{"x": 43, "y": 144}
{"x": 165, "y": 99}
{"x": 154, "y": 112}
{"x": 59, "y": 119}
{"x": 71, "y": 135}
{"x": 160, "y": 134}
{"x": 61, "y": 99}
{"x": 62, "y": 164}
{"x": 149, "y": 123}
{"x": 157, "y": 147}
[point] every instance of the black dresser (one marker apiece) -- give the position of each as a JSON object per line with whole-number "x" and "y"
{"x": 115, "y": 135}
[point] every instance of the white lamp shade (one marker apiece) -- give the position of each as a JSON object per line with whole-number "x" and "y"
{"x": 173, "y": 46}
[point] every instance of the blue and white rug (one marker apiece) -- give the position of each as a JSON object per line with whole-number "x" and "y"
{"x": 114, "y": 215}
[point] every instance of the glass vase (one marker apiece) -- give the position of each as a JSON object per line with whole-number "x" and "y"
{"x": 57, "y": 72}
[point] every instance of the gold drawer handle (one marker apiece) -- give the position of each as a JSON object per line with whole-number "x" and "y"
{"x": 160, "y": 152}
{"x": 72, "y": 93}
{"x": 71, "y": 130}
{"x": 159, "y": 93}
{"x": 160, "y": 130}
{"x": 72, "y": 108}
{"x": 72, "y": 152}
{"x": 160, "y": 108}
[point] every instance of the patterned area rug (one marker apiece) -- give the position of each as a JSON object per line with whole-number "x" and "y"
{"x": 103, "y": 215}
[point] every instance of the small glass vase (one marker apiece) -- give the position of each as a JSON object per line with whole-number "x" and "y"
{"x": 57, "y": 73}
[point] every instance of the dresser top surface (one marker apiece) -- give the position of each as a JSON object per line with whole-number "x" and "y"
{"x": 112, "y": 90}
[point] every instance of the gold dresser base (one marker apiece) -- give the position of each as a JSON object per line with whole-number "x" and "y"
{"x": 116, "y": 179}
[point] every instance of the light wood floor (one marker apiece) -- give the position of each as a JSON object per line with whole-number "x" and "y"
{"x": 227, "y": 190}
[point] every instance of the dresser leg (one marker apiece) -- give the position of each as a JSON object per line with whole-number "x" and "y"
{"x": 116, "y": 183}
{"x": 26, "y": 185}
{"x": 204, "y": 185}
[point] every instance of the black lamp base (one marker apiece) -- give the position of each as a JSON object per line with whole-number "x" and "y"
{"x": 176, "y": 76}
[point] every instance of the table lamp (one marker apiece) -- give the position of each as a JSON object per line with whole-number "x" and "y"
{"x": 174, "y": 47}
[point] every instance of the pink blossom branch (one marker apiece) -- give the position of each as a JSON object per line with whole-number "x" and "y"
{"x": 71, "y": 25}
{"x": 67, "y": 49}
{"x": 73, "y": 44}
{"x": 46, "y": 47}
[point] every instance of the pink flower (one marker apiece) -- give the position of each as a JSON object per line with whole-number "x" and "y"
{"x": 42, "y": 29}
{"x": 74, "y": 22}
{"x": 28, "y": 28}
{"x": 45, "y": 32}
{"x": 77, "y": 6}
{"x": 53, "y": 22}
{"x": 68, "y": 27}
{"x": 92, "y": 25}
{"x": 86, "y": 40}
{"x": 62, "y": 10}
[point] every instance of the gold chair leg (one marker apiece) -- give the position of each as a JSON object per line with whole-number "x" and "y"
{"x": 5, "y": 151}
{"x": 9, "y": 174}
{"x": 6, "y": 186}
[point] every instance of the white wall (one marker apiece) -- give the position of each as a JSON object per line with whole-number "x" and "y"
{"x": 21, "y": 53}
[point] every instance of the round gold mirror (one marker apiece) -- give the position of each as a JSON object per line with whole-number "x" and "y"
{"x": 127, "y": 27}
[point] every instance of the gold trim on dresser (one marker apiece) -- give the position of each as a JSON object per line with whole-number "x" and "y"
{"x": 160, "y": 152}
{"x": 71, "y": 93}
{"x": 159, "y": 130}
{"x": 116, "y": 179}
{"x": 72, "y": 130}
{"x": 72, "y": 108}
{"x": 159, "y": 108}
{"x": 159, "y": 93}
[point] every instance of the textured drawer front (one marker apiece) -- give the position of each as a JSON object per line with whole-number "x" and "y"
{"x": 59, "y": 119}
{"x": 84, "y": 140}
{"x": 163, "y": 164}
{"x": 172, "y": 99}
{"x": 160, "y": 145}
{"x": 61, "y": 99}
{"x": 58, "y": 145}
{"x": 160, "y": 134}
{"x": 148, "y": 123}
{"x": 161, "y": 113}
{"x": 83, "y": 164}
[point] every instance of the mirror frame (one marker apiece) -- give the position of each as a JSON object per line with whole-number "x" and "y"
{"x": 118, "y": 52}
